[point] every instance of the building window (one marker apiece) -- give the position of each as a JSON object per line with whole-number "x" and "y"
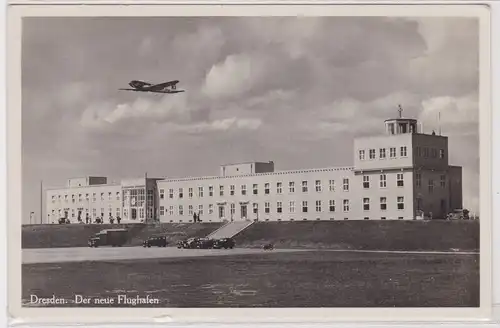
{"x": 162, "y": 210}
{"x": 372, "y": 153}
{"x": 93, "y": 197}
{"x": 443, "y": 181}
{"x": 346, "y": 184}
{"x": 291, "y": 206}
{"x": 382, "y": 153}
{"x": 383, "y": 203}
{"x": 291, "y": 186}
{"x": 117, "y": 212}
{"x": 102, "y": 196}
{"x": 366, "y": 204}
{"x": 366, "y": 181}
{"x": 332, "y": 205}
{"x": 255, "y": 208}
{"x": 279, "y": 187}
{"x": 190, "y": 210}
{"x": 181, "y": 193}
{"x": 318, "y": 206}
{"x": 181, "y": 210}
{"x": 80, "y": 197}
{"x": 109, "y": 196}
{"x": 200, "y": 209}
{"x": 392, "y": 152}
{"x": 400, "y": 180}
{"x": 441, "y": 153}
{"x": 345, "y": 203}
{"x": 233, "y": 208}
{"x": 426, "y": 152}
{"x": 210, "y": 191}
{"x": 221, "y": 190}
{"x": 190, "y": 193}
{"x": 243, "y": 190}
{"x": 318, "y": 186}
{"x": 383, "y": 181}
{"x": 94, "y": 213}
{"x": 200, "y": 192}
{"x": 361, "y": 155}
{"x": 418, "y": 151}
{"x": 403, "y": 151}
{"x": 255, "y": 189}
{"x": 266, "y": 188}
{"x": 231, "y": 190}
{"x": 401, "y": 203}
{"x": 431, "y": 186}
{"x": 171, "y": 193}
{"x": 418, "y": 180}
{"x": 162, "y": 193}
{"x": 332, "y": 185}
{"x": 267, "y": 207}
{"x": 304, "y": 206}
{"x": 304, "y": 186}
{"x": 434, "y": 153}
{"x": 210, "y": 208}
{"x": 279, "y": 207}
{"x": 171, "y": 210}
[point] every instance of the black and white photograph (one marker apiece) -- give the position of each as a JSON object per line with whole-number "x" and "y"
{"x": 253, "y": 161}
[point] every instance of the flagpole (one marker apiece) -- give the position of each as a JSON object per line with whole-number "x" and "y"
{"x": 41, "y": 201}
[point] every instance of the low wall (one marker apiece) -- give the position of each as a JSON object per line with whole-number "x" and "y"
{"x": 77, "y": 235}
{"x": 364, "y": 235}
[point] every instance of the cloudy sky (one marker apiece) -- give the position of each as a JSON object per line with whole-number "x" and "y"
{"x": 293, "y": 90}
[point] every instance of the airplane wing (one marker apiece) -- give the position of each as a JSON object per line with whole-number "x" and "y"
{"x": 167, "y": 91}
{"x": 161, "y": 86}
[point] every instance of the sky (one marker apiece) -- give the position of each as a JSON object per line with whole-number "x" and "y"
{"x": 293, "y": 90}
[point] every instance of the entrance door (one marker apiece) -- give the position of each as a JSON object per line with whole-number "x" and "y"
{"x": 243, "y": 211}
{"x": 221, "y": 212}
{"x": 134, "y": 213}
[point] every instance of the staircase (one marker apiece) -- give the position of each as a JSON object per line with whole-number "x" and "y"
{"x": 230, "y": 229}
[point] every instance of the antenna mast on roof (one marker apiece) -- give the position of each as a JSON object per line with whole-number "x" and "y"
{"x": 400, "y": 110}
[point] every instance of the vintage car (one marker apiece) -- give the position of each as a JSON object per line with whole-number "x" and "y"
{"x": 187, "y": 243}
{"x": 205, "y": 243}
{"x": 268, "y": 247}
{"x": 155, "y": 240}
{"x": 224, "y": 243}
{"x": 109, "y": 237}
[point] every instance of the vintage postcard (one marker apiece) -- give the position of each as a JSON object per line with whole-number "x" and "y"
{"x": 249, "y": 162}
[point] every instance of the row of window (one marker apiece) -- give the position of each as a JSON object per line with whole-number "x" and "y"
{"x": 306, "y": 219}
{"x": 87, "y": 197}
{"x": 84, "y": 211}
{"x": 403, "y": 152}
{"x": 139, "y": 198}
{"x": 279, "y": 207}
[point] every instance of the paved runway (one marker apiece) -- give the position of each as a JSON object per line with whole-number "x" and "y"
{"x": 78, "y": 254}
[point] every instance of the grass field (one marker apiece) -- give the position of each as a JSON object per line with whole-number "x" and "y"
{"x": 302, "y": 279}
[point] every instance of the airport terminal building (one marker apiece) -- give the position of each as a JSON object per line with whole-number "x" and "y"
{"x": 402, "y": 174}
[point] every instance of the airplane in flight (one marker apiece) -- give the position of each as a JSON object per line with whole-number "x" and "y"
{"x": 165, "y": 87}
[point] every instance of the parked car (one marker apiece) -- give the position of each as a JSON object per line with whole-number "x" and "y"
{"x": 187, "y": 243}
{"x": 224, "y": 243}
{"x": 268, "y": 247}
{"x": 159, "y": 241}
{"x": 109, "y": 237}
{"x": 204, "y": 243}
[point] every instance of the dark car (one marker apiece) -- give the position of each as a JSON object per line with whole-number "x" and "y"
{"x": 268, "y": 247}
{"x": 187, "y": 243}
{"x": 224, "y": 243}
{"x": 204, "y": 243}
{"x": 159, "y": 241}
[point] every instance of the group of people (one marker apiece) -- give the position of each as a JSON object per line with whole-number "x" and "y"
{"x": 196, "y": 217}
{"x": 88, "y": 219}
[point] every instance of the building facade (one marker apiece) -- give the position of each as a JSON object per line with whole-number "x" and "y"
{"x": 402, "y": 174}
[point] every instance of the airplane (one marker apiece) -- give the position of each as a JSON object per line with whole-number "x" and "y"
{"x": 165, "y": 87}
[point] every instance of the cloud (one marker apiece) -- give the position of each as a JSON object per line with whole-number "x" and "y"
{"x": 235, "y": 76}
